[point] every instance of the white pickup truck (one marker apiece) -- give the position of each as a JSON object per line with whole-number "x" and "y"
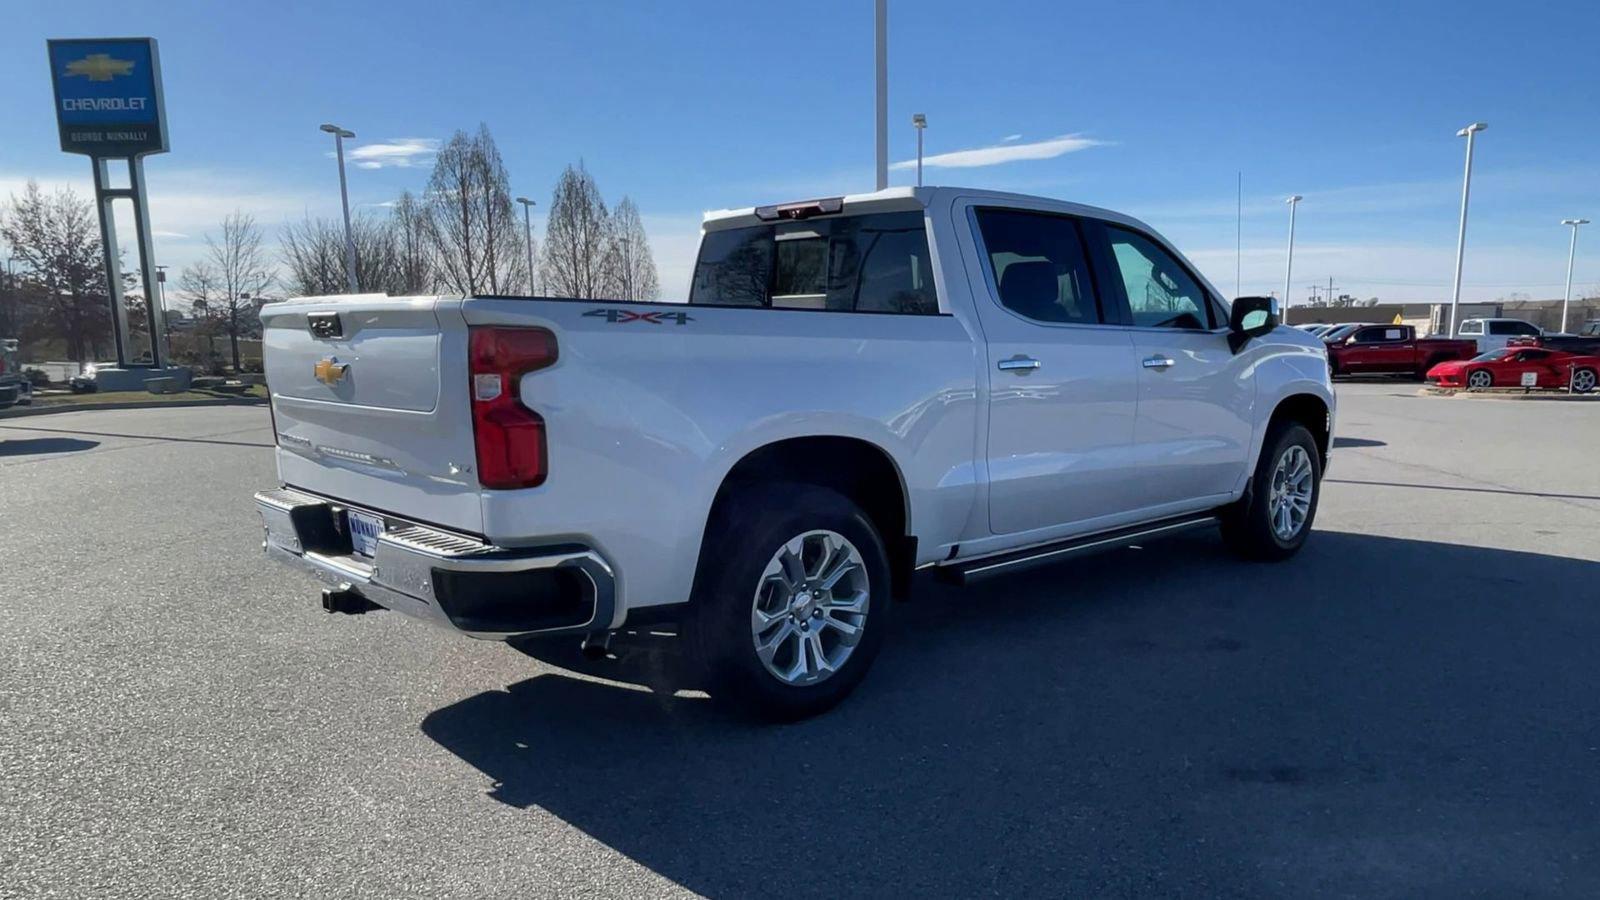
{"x": 858, "y": 388}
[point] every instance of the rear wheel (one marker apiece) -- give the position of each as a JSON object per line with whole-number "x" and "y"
{"x": 792, "y": 601}
{"x": 1583, "y": 381}
{"x": 1479, "y": 379}
{"x": 1274, "y": 518}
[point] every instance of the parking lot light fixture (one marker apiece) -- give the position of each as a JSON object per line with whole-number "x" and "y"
{"x": 1461, "y": 233}
{"x": 1288, "y": 269}
{"x": 1572, "y": 250}
{"x": 339, "y": 134}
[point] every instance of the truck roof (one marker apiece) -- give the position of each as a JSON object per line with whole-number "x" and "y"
{"x": 907, "y": 198}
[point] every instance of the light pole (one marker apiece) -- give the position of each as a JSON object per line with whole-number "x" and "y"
{"x": 881, "y": 19}
{"x": 920, "y": 123}
{"x": 527, "y": 232}
{"x": 161, "y": 298}
{"x": 1572, "y": 250}
{"x": 339, "y": 134}
{"x": 1461, "y": 233}
{"x": 1288, "y": 269}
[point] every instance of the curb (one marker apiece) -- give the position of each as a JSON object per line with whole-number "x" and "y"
{"x": 1507, "y": 394}
{"x": 18, "y": 412}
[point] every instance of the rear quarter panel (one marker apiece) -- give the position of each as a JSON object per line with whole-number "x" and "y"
{"x": 645, "y": 416}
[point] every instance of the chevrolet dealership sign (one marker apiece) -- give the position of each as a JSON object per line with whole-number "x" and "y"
{"x": 108, "y": 96}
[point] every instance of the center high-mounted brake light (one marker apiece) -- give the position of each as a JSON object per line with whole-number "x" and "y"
{"x": 509, "y": 436}
{"x": 804, "y": 210}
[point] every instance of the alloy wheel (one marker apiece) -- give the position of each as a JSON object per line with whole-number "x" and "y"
{"x": 1289, "y": 498}
{"x": 810, "y": 607}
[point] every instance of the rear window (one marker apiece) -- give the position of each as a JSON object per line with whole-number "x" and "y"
{"x": 870, "y": 263}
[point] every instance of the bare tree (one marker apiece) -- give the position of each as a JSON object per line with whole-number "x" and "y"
{"x": 409, "y": 229}
{"x": 577, "y": 239}
{"x": 197, "y": 285}
{"x": 632, "y": 270}
{"x": 242, "y": 273}
{"x": 313, "y": 255}
{"x": 472, "y": 227}
{"x": 57, "y": 238}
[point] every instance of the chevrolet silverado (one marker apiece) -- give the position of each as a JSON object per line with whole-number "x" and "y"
{"x": 857, "y": 388}
{"x": 1393, "y": 350}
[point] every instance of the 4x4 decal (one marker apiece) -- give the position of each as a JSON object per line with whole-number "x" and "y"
{"x": 616, "y": 316}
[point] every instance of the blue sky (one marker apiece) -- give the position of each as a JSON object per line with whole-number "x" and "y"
{"x": 697, "y": 105}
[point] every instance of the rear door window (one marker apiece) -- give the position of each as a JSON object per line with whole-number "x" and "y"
{"x": 868, "y": 263}
{"x": 1473, "y": 327}
{"x": 1378, "y": 335}
{"x": 1039, "y": 266}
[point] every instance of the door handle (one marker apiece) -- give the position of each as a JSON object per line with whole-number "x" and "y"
{"x": 1019, "y": 364}
{"x": 1158, "y": 362}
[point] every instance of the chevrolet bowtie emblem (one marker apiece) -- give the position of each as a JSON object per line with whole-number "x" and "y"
{"x": 330, "y": 371}
{"x": 100, "y": 67}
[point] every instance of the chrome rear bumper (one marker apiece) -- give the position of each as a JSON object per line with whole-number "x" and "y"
{"x": 454, "y": 580}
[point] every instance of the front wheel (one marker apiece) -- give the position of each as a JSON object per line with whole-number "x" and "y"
{"x": 792, "y": 601}
{"x": 1273, "y": 520}
{"x": 1479, "y": 380}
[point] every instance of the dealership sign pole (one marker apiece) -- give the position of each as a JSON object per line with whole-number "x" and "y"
{"x": 109, "y": 107}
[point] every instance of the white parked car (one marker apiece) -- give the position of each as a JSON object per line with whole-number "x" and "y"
{"x": 1492, "y": 334}
{"x": 858, "y": 388}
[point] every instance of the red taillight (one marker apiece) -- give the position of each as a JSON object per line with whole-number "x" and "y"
{"x": 509, "y": 436}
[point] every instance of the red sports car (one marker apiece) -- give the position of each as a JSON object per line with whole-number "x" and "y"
{"x": 1508, "y": 367}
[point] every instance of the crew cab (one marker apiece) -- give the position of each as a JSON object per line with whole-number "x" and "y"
{"x": 1492, "y": 334}
{"x": 1393, "y": 350}
{"x": 858, "y": 387}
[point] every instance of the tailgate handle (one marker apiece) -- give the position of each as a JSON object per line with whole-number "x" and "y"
{"x": 325, "y": 325}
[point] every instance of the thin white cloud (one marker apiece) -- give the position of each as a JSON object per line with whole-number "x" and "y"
{"x": 399, "y": 153}
{"x": 1011, "y": 137}
{"x": 1003, "y": 153}
{"x": 168, "y": 234}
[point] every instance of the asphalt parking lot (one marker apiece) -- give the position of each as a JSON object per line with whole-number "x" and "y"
{"x": 1408, "y": 708}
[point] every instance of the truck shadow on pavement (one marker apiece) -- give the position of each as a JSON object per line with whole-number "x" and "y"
{"x": 1376, "y": 716}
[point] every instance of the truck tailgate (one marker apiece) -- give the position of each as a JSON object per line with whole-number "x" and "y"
{"x": 369, "y": 399}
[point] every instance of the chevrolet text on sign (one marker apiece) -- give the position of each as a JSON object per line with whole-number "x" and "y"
{"x": 108, "y": 96}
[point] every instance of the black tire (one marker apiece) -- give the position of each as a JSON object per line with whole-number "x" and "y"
{"x": 747, "y": 531}
{"x": 1468, "y": 381}
{"x": 1578, "y": 374}
{"x": 1247, "y": 526}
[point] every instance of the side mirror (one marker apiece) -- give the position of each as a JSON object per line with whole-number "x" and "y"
{"x": 1251, "y": 317}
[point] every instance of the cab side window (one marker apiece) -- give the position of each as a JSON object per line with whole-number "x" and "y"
{"x": 1161, "y": 294}
{"x": 1379, "y": 335}
{"x": 1039, "y": 267}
